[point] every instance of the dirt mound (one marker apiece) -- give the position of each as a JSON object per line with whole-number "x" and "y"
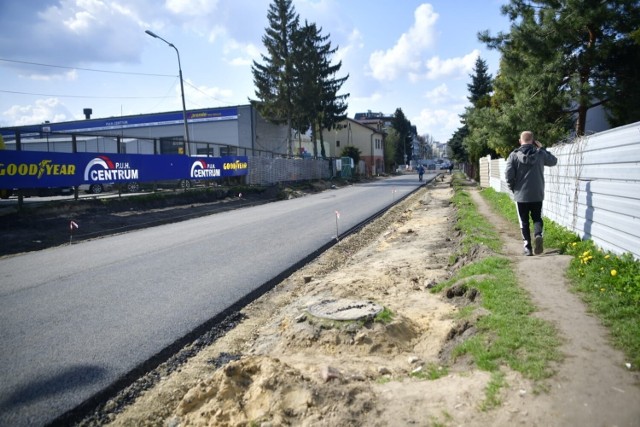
{"x": 263, "y": 389}
{"x": 288, "y": 367}
{"x": 353, "y": 337}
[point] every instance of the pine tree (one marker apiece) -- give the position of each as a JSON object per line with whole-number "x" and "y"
{"x": 316, "y": 90}
{"x": 481, "y": 85}
{"x": 564, "y": 57}
{"x": 275, "y": 78}
{"x": 333, "y": 106}
{"x": 456, "y": 147}
{"x": 405, "y": 135}
{"x": 307, "y": 91}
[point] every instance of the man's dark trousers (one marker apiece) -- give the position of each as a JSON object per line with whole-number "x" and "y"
{"x": 533, "y": 209}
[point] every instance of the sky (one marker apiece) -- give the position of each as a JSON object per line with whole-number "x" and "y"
{"x": 58, "y": 57}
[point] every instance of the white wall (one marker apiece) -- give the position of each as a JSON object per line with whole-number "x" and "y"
{"x": 595, "y": 188}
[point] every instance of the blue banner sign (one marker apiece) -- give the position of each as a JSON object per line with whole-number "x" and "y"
{"x": 41, "y": 169}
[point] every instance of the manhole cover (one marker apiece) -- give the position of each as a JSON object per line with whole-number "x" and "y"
{"x": 343, "y": 309}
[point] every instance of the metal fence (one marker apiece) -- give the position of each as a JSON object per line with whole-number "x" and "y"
{"x": 594, "y": 190}
{"x": 265, "y": 167}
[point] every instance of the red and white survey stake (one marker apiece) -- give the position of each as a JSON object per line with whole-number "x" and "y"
{"x": 72, "y": 225}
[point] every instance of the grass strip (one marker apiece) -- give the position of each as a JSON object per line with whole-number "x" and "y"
{"x": 608, "y": 283}
{"x": 508, "y": 335}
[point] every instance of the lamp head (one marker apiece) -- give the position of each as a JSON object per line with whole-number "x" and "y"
{"x": 151, "y": 33}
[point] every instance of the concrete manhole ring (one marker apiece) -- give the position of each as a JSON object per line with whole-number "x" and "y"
{"x": 344, "y": 309}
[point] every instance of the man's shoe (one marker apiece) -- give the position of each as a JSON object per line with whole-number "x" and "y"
{"x": 527, "y": 252}
{"x": 538, "y": 247}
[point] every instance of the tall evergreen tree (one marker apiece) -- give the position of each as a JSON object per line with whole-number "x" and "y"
{"x": 456, "y": 147}
{"x": 391, "y": 142}
{"x": 564, "y": 57}
{"x": 316, "y": 86}
{"x": 403, "y": 127}
{"x": 475, "y": 139}
{"x": 307, "y": 90}
{"x": 274, "y": 79}
{"x": 333, "y": 106}
{"x": 481, "y": 85}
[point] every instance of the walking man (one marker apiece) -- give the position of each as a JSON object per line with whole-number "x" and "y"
{"x": 420, "y": 172}
{"x": 525, "y": 176}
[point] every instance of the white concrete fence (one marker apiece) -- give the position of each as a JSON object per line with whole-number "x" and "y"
{"x": 594, "y": 190}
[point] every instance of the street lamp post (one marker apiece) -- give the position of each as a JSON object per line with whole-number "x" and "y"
{"x": 184, "y": 108}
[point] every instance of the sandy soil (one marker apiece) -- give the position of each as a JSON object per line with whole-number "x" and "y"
{"x": 282, "y": 366}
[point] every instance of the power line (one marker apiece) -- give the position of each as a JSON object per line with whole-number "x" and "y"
{"x": 85, "y": 69}
{"x": 204, "y": 93}
{"x": 83, "y": 96}
{"x": 98, "y": 71}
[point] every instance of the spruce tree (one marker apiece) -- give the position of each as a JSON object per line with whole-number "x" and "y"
{"x": 481, "y": 85}
{"x": 405, "y": 135}
{"x": 307, "y": 91}
{"x": 316, "y": 89}
{"x": 274, "y": 79}
{"x": 564, "y": 57}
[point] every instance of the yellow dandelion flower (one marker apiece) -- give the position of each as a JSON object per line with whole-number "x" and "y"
{"x": 601, "y": 289}
{"x": 614, "y": 273}
{"x": 607, "y": 256}
{"x": 573, "y": 244}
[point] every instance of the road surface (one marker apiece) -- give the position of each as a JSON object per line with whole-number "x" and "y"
{"x": 75, "y": 319}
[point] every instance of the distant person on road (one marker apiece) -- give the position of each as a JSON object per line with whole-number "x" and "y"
{"x": 420, "y": 172}
{"x": 525, "y": 176}
{"x": 450, "y": 168}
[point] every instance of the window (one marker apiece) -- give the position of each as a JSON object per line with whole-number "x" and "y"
{"x": 228, "y": 151}
{"x": 208, "y": 151}
{"x": 337, "y": 143}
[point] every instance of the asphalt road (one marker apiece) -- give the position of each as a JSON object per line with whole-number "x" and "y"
{"x": 77, "y": 318}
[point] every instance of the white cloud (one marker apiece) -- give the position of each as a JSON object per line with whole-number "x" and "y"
{"x": 191, "y": 7}
{"x": 438, "y": 94}
{"x": 70, "y": 75}
{"x": 439, "y": 123}
{"x": 80, "y": 22}
{"x": 354, "y": 43}
{"x": 215, "y": 33}
{"x": 81, "y": 31}
{"x": 405, "y": 55}
{"x": 375, "y": 96}
{"x": 453, "y": 67}
{"x": 240, "y": 54}
{"x": 202, "y": 95}
{"x": 50, "y": 109}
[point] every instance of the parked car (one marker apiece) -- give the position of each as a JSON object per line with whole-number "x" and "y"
{"x": 133, "y": 187}
{"x": 99, "y": 188}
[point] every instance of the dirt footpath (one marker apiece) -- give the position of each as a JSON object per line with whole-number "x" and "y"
{"x": 593, "y": 387}
{"x": 282, "y": 366}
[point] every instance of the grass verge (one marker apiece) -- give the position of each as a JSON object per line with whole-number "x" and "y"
{"x": 608, "y": 283}
{"x": 474, "y": 228}
{"x": 509, "y": 335}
